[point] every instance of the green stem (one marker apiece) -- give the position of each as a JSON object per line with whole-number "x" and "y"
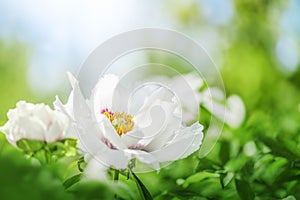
{"x": 116, "y": 175}
{"x": 47, "y": 159}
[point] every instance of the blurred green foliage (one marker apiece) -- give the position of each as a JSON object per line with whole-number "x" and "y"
{"x": 13, "y": 82}
{"x": 259, "y": 160}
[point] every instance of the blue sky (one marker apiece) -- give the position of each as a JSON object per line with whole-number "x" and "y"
{"x": 61, "y": 34}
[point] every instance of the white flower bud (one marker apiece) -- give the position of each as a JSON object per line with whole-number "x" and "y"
{"x": 35, "y": 122}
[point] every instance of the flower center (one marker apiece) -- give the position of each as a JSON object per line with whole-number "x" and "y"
{"x": 121, "y": 121}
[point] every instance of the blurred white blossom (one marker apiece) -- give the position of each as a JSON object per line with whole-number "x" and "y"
{"x": 35, "y": 122}
{"x": 231, "y": 110}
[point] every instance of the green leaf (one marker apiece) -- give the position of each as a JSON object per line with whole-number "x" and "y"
{"x": 72, "y": 180}
{"x": 224, "y": 152}
{"x": 244, "y": 190}
{"x": 93, "y": 190}
{"x": 199, "y": 177}
{"x": 180, "y": 195}
{"x": 81, "y": 164}
{"x": 30, "y": 146}
{"x": 124, "y": 191}
{"x": 41, "y": 156}
{"x": 57, "y": 149}
{"x": 206, "y": 164}
{"x": 283, "y": 147}
{"x": 62, "y": 148}
{"x": 290, "y": 146}
{"x": 226, "y": 178}
{"x": 70, "y": 142}
{"x": 142, "y": 188}
{"x": 71, "y": 146}
{"x": 53, "y": 150}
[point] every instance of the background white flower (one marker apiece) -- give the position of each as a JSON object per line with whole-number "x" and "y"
{"x": 234, "y": 107}
{"x": 113, "y": 135}
{"x": 36, "y": 122}
{"x": 231, "y": 110}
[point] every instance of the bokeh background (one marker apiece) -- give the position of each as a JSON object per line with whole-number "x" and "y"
{"x": 255, "y": 45}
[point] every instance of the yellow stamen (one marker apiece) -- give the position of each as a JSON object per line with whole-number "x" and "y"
{"x": 121, "y": 121}
{"x": 109, "y": 115}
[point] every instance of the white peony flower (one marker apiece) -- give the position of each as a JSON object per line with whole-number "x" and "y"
{"x": 186, "y": 87}
{"x": 152, "y": 134}
{"x": 35, "y": 122}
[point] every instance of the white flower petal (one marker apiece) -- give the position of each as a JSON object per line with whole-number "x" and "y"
{"x": 235, "y": 112}
{"x": 144, "y": 157}
{"x": 187, "y": 141}
{"x": 232, "y": 112}
{"x": 89, "y": 142}
{"x": 132, "y": 138}
{"x": 72, "y": 79}
{"x": 157, "y": 94}
{"x": 194, "y": 146}
{"x": 213, "y": 93}
{"x": 95, "y": 170}
{"x": 22, "y": 109}
{"x": 110, "y": 133}
{"x": 86, "y": 126}
{"x": 217, "y": 109}
{"x": 164, "y": 122}
{"x": 102, "y": 94}
{"x": 158, "y": 118}
{"x": 29, "y": 128}
{"x": 151, "y": 121}
{"x": 6, "y": 129}
{"x": 66, "y": 109}
{"x": 194, "y": 81}
{"x": 53, "y": 132}
{"x": 56, "y": 127}
{"x": 186, "y": 88}
{"x": 113, "y": 158}
{"x": 43, "y": 113}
